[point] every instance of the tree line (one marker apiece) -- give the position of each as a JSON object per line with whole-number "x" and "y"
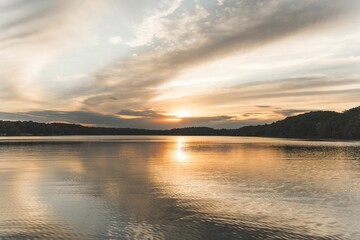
{"x": 311, "y": 125}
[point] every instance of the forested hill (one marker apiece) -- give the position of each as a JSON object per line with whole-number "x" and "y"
{"x": 320, "y": 124}
{"x": 311, "y": 125}
{"x": 29, "y": 128}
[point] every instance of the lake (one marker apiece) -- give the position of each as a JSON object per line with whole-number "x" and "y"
{"x": 165, "y": 187}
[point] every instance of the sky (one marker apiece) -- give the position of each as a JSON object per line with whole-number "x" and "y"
{"x": 177, "y": 63}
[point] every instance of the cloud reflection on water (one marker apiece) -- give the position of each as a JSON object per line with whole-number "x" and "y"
{"x": 181, "y": 187}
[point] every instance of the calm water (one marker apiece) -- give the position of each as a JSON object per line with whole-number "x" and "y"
{"x": 178, "y": 188}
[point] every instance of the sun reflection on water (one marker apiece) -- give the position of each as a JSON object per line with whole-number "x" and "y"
{"x": 181, "y": 155}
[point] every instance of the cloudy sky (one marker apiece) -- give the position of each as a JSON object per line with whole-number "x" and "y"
{"x": 175, "y": 63}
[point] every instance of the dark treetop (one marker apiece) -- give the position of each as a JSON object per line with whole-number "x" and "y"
{"x": 311, "y": 125}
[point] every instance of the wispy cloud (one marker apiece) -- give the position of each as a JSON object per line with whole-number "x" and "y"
{"x": 32, "y": 34}
{"x": 151, "y": 120}
{"x": 152, "y": 69}
{"x": 151, "y": 26}
{"x": 309, "y": 92}
{"x": 115, "y": 40}
{"x": 241, "y": 26}
{"x": 141, "y": 113}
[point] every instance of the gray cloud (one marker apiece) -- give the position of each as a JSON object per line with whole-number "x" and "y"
{"x": 235, "y": 26}
{"x": 299, "y": 88}
{"x": 290, "y": 112}
{"x": 33, "y": 33}
{"x": 302, "y": 89}
{"x": 140, "y": 113}
{"x": 32, "y": 13}
{"x": 272, "y": 114}
{"x": 157, "y": 121}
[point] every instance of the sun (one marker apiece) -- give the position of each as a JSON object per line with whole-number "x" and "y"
{"x": 182, "y": 114}
{"x": 178, "y": 116}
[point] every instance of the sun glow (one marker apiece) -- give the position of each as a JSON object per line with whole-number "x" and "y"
{"x": 182, "y": 114}
{"x": 179, "y": 115}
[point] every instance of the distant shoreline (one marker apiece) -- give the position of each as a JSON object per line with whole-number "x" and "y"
{"x": 319, "y": 125}
{"x": 153, "y": 135}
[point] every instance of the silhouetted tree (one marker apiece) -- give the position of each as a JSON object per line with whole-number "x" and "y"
{"x": 311, "y": 125}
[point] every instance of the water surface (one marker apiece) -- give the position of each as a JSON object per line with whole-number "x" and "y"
{"x": 145, "y": 187}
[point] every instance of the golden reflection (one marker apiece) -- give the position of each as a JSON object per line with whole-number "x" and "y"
{"x": 181, "y": 155}
{"x": 254, "y": 178}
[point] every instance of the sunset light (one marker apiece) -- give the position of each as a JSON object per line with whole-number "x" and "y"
{"x": 213, "y": 63}
{"x": 182, "y": 114}
{"x": 180, "y": 119}
{"x": 180, "y": 155}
